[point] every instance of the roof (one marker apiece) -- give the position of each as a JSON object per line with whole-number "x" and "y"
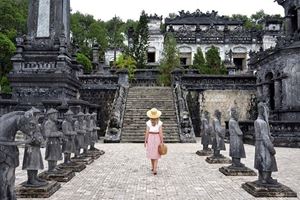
{"x": 201, "y": 18}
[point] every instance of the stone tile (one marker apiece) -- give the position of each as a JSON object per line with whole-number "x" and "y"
{"x": 123, "y": 172}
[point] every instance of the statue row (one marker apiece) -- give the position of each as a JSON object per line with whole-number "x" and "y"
{"x": 213, "y": 134}
{"x": 76, "y": 134}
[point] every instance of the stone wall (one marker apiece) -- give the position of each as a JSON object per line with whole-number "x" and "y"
{"x": 211, "y": 100}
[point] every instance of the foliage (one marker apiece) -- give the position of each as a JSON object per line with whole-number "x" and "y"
{"x": 213, "y": 62}
{"x": 13, "y": 15}
{"x": 127, "y": 62}
{"x": 170, "y": 59}
{"x": 85, "y": 61}
{"x": 4, "y": 86}
{"x": 86, "y": 31}
{"x": 140, "y": 41}
{"x": 199, "y": 60}
{"x": 115, "y": 32}
{"x": 7, "y": 49}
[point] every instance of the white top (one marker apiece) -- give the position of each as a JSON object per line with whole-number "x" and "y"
{"x": 155, "y": 128}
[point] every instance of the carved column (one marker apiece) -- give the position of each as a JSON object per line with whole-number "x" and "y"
{"x": 266, "y": 93}
{"x": 298, "y": 18}
{"x": 278, "y": 91}
{"x": 288, "y": 25}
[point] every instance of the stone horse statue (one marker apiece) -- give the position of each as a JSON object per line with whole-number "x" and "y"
{"x": 9, "y": 154}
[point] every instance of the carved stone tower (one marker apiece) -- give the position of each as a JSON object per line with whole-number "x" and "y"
{"x": 43, "y": 68}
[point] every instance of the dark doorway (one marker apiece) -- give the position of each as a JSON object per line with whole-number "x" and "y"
{"x": 151, "y": 57}
{"x": 183, "y": 61}
{"x": 294, "y": 17}
{"x": 270, "y": 82}
{"x": 238, "y": 62}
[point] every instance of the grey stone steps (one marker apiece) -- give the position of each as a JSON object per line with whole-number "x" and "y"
{"x": 139, "y": 101}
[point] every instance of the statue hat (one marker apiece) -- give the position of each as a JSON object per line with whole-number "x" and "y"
{"x": 94, "y": 114}
{"x": 80, "y": 114}
{"x": 35, "y": 110}
{"x": 153, "y": 113}
{"x": 51, "y": 111}
{"x": 69, "y": 113}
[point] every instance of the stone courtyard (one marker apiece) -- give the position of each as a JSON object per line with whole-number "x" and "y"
{"x": 181, "y": 175}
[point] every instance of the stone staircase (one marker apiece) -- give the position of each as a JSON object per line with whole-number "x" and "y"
{"x": 139, "y": 101}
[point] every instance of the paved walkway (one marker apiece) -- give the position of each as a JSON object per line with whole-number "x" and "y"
{"x": 124, "y": 173}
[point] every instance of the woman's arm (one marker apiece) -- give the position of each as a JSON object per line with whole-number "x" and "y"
{"x": 161, "y": 134}
{"x": 146, "y": 136}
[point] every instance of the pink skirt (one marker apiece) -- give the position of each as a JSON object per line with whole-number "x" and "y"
{"x": 152, "y": 146}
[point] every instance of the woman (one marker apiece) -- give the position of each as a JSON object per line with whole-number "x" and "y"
{"x": 153, "y": 137}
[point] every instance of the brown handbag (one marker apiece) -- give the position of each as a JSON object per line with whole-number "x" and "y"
{"x": 162, "y": 149}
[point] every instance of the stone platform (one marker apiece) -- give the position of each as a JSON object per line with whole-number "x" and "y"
{"x": 279, "y": 190}
{"x": 208, "y": 152}
{"x": 74, "y": 167}
{"x": 60, "y": 176}
{"x": 87, "y": 160}
{"x": 218, "y": 160}
{"x": 94, "y": 154}
{"x": 237, "y": 171}
{"x": 37, "y": 192}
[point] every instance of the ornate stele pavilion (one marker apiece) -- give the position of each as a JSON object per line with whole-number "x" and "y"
{"x": 198, "y": 29}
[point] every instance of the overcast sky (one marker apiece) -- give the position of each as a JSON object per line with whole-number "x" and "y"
{"x": 131, "y": 9}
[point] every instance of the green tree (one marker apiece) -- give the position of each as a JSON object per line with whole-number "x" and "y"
{"x": 170, "y": 59}
{"x": 7, "y": 50}
{"x": 85, "y": 61}
{"x": 13, "y": 15}
{"x": 126, "y": 62}
{"x": 4, "y": 86}
{"x": 213, "y": 62}
{"x": 199, "y": 60}
{"x": 140, "y": 41}
{"x": 115, "y": 32}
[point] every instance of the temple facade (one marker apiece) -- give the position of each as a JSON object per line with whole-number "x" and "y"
{"x": 204, "y": 30}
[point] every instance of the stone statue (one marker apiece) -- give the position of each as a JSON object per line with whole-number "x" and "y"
{"x": 237, "y": 150}
{"x": 9, "y": 154}
{"x": 89, "y": 130}
{"x": 80, "y": 130}
{"x": 218, "y": 134}
{"x": 94, "y": 137}
{"x": 53, "y": 144}
{"x": 69, "y": 137}
{"x": 32, "y": 160}
{"x": 206, "y": 131}
{"x": 264, "y": 161}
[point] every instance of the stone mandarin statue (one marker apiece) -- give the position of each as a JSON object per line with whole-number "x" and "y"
{"x": 9, "y": 154}
{"x": 206, "y": 131}
{"x": 89, "y": 129}
{"x": 94, "y": 137}
{"x": 69, "y": 136}
{"x": 32, "y": 160}
{"x": 80, "y": 130}
{"x": 218, "y": 134}
{"x": 265, "y": 152}
{"x": 53, "y": 145}
{"x": 236, "y": 150}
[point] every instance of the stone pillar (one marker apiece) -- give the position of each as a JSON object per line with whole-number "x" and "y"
{"x": 298, "y": 18}
{"x": 123, "y": 77}
{"x": 259, "y": 91}
{"x": 266, "y": 93}
{"x": 288, "y": 25}
{"x": 278, "y": 90}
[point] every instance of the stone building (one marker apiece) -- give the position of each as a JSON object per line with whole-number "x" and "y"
{"x": 198, "y": 29}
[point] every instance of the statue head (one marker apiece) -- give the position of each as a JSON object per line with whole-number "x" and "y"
{"x": 218, "y": 114}
{"x": 80, "y": 116}
{"x": 94, "y": 116}
{"x": 52, "y": 114}
{"x": 27, "y": 123}
{"x": 36, "y": 113}
{"x": 69, "y": 116}
{"x": 87, "y": 116}
{"x": 263, "y": 111}
{"x": 206, "y": 115}
{"x": 234, "y": 113}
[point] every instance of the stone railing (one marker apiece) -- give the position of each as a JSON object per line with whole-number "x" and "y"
{"x": 185, "y": 127}
{"x": 286, "y": 134}
{"x": 146, "y": 77}
{"x": 218, "y": 82}
{"x": 115, "y": 124}
{"x": 97, "y": 81}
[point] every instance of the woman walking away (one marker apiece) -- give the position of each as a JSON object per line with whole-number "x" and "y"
{"x": 153, "y": 137}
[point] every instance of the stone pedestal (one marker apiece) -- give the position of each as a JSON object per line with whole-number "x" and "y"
{"x": 237, "y": 171}
{"x": 83, "y": 159}
{"x": 74, "y": 167}
{"x": 37, "y": 192}
{"x": 94, "y": 154}
{"x": 278, "y": 190}
{"x": 208, "y": 152}
{"x": 218, "y": 160}
{"x": 60, "y": 176}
